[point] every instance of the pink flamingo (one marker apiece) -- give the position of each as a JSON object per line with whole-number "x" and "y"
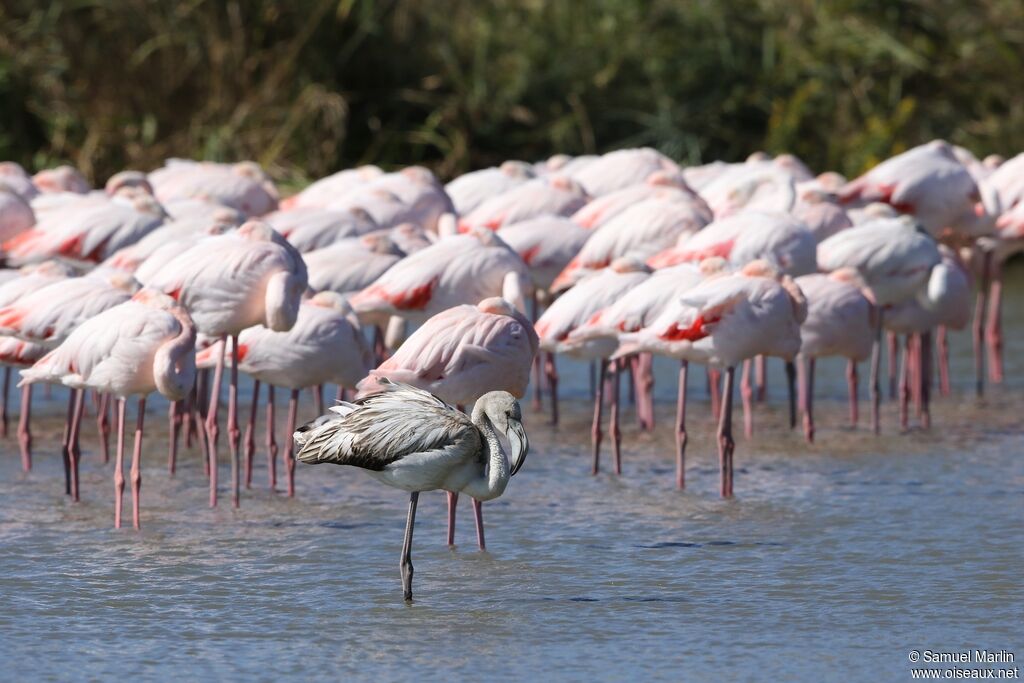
{"x": 143, "y": 345}
{"x": 840, "y": 322}
{"x": 724, "y": 321}
{"x": 459, "y": 355}
{"x": 820, "y": 212}
{"x": 309, "y": 228}
{"x": 892, "y": 259}
{"x": 546, "y": 244}
{"x": 574, "y": 309}
{"x": 15, "y": 353}
{"x": 621, "y": 168}
{"x": 946, "y": 303}
{"x": 780, "y": 239}
{"x": 638, "y": 308}
{"x": 61, "y": 179}
{"x": 461, "y": 269}
{"x": 227, "y": 283}
{"x": 641, "y": 231}
{"x": 242, "y": 186}
{"x": 1003, "y": 191}
{"x": 326, "y": 344}
{"x": 322, "y": 192}
{"x": 14, "y": 177}
{"x": 46, "y": 315}
{"x": 412, "y": 195}
{"x": 25, "y": 280}
{"x": 549, "y": 195}
{"x": 168, "y": 240}
{"x": 16, "y": 214}
{"x": 658, "y": 185}
{"x": 91, "y": 234}
{"x": 928, "y": 182}
{"x": 350, "y": 265}
{"x": 470, "y": 190}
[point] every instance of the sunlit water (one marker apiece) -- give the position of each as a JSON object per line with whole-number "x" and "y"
{"x": 832, "y": 562}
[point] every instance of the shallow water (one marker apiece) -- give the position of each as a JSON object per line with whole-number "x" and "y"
{"x": 832, "y": 562}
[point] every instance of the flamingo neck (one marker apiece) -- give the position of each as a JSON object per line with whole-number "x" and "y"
{"x": 281, "y": 306}
{"x": 493, "y": 479}
{"x": 174, "y": 364}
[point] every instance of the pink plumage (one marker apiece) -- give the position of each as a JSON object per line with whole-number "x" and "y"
{"x": 464, "y": 352}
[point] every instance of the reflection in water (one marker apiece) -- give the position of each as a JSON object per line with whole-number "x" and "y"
{"x": 831, "y": 564}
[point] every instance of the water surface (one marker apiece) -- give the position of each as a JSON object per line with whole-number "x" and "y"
{"x": 832, "y": 562}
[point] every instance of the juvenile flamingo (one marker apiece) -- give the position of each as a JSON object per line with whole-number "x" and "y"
{"x": 459, "y": 355}
{"x": 406, "y": 438}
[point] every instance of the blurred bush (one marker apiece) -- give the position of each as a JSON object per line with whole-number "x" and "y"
{"x": 310, "y": 86}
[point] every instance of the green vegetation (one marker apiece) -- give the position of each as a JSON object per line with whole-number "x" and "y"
{"x": 310, "y": 86}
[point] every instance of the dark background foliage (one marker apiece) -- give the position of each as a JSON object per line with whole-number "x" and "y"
{"x": 310, "y": 86}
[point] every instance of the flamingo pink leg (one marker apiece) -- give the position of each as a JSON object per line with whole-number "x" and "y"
{"x": 3, "y": 404}
{"x": 644, "y": 378}
{"x": 65, "y": 443}
{"x": 453, "y": 502}
{"x": 289, "y": 459}
{"x": 761, "y": 378}
{"x": 613, "y": 417}
{"x": 119, "y": 464}
{"x": 926, "y": 379}
{"x": 318, "y": 399}
{"x": 103, "y": 426}
{"x": 136, "y": 471}
{"x": 211, "y": 422}
{"x": 893, "y": 344}
{"x": 978, "y": 329}
{"x": 174, "y": 423}
{"x": 791, "y": 385}
{"x": 808, "y": 393}
{"x": 943, "y": 350}
{"x": 478, "y": 515}
{"x": 747, "y": 395}
{"x": 994, "y": 327}
{"x": 74, "y": 453}
{"x": 595, "y": 429}
{"x": 234, "y": 433}
{"x": 24, "y": 430}
{"x": 250, "y": 433}
{"x": 876, "y": 362}
{"x": 851, "y": 381}
{"x": 715, "y": 387}
{"x": 271, "y": 440}
{"x": 905, "y": 386}
{"x": 726, "y": 444}
{"x": 536, "y": 369}
{"x": 186, "y": 418}
{"x": 552, "y": 375}
{"x": 681, "y": 437}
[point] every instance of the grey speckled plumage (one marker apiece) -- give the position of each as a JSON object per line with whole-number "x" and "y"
{"x": 377, "y": 430}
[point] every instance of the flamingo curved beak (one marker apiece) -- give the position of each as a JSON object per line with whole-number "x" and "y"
{"x": 520, "y": 444}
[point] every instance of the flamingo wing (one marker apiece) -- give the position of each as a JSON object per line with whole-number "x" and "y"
{"x": 375, "y": 431}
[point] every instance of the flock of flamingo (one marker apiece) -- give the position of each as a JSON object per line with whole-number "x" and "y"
{"x": 161, "y": 281}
